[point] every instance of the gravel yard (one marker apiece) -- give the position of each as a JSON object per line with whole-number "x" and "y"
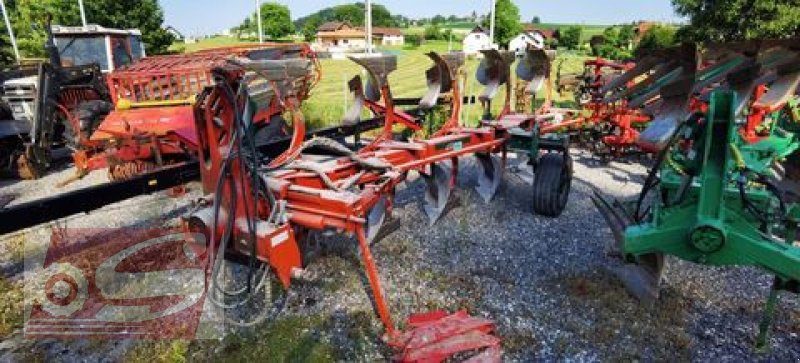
{"x": 547, "y": 283}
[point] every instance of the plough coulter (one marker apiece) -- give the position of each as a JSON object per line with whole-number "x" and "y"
{"x": 715, "y": 195}
{"x": 265, "y": 208}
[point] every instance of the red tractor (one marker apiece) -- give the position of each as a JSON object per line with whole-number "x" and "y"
{"x": 152, "y": 122}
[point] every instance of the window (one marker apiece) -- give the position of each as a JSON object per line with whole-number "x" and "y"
{"x": 120, "y": 53}
{"x": 84, "y": 50}
{"x": 137, "y": 47}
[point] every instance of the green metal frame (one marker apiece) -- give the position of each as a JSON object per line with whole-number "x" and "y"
{"x": 702, "y": 216}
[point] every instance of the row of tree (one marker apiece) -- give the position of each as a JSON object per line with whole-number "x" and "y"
{"x": 27, "y": 20}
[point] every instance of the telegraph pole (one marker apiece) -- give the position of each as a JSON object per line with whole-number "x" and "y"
{"x": 10, "y": 31}
{"x": 491, "y": 22}
{"x": 258, "y": 16}
{"x": 83, "y": 13}
{"x": 368, "y": 5}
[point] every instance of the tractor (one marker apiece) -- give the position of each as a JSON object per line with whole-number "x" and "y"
{"x": 50, "y": 104}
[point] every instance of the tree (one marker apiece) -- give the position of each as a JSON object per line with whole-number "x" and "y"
{"x": 536, "y": 20}
{"x": 726, "y": 20}
{"x": 571, "y": 37}
{"x": 310, "y": 28}
{"x": 506, "y": 23}
{"x": 276, "y": 20}
{"x": 146, "y": 15}
{"x": 6, "y": 51}
{"x": 438, "y": 19}
{"x": 616, "y": 43}
{"x": 353, "y": 13}
{"x": 657, "y": 37}
{"x": 432, "y": 32}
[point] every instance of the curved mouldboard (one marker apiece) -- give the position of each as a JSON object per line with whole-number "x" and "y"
{"x": 535, "y": 68}
{"x": 378, "y": 69}
{"x": 493, "y": 72}
{"x": 440, "y": 76}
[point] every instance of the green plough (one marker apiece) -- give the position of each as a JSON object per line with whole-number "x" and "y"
{"x": 714, "y": 196}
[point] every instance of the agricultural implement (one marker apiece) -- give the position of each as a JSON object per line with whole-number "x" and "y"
{"x": 265, "y": 208}
{"x": 152, "y": 123}
{"x": 44, "y": 98}
{"x": 610, "y": 122}
{"x": 716, "y": 196}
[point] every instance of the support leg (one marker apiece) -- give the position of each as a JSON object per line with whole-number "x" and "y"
{"x": 374, "y": 282}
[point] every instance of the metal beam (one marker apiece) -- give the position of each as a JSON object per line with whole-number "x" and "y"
{"x": 83, "y": 13}
{"x": 10, "y": 30}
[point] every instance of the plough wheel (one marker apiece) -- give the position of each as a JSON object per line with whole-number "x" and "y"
{"x": 551, "y": 184}
{"x": 437, "y": 191}
{"x": 491, "y": 171}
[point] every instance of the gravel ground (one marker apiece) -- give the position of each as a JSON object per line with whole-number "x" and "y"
{"x": 547, "y": 283}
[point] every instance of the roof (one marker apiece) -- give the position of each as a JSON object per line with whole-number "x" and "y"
{"x": 478, "y": 29}
{"x": 643, "y": 26}
{"x": 546, "y": 33}
{"x": 92, "y": 29}
{"x": 332, "y": 26}
{"x": 387, "y": 31}
{"x": 342, "y": 33}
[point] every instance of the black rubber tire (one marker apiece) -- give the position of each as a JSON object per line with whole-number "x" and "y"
{"x": 551, "y": 184}
{"x": 5, "y": 112}
{"x": 91, "y": 114}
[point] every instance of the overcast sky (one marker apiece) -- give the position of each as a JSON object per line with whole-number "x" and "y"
{"x": 198, "y": 17}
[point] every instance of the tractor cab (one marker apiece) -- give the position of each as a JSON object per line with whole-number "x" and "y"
{"x": 108, "y": 48}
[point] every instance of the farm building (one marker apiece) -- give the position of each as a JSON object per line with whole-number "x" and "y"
{"x": 526, "y": 39}
{"x": 476, "y": 41}
{"x": 340, "y": 36}
{"x": 344, "y": 36}
{"x": 387, "y": 36}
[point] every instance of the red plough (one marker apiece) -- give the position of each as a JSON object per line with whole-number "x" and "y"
{"x": 265, "y": 208}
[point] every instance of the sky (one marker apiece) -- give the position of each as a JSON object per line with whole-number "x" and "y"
{"x": 200, "y": 17}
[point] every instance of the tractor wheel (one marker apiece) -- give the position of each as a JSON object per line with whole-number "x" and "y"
{"x": 5, "y": 112}
{"x": 551, "y": 184}
{"x": 90, "y": 114}
{"x": 32, "y": 162}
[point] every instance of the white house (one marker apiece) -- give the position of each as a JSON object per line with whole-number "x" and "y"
{"x": 521, "y": 42}
{"x": 476, "y": 41}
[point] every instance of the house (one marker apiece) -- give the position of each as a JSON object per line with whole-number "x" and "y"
{"x": 547, "y": 34}
{"x": 387, "y": 36}
{"x": 476, "y": 41}
{"x": 343, "y": 37}
{"x": 524, "y": 40}
{"x": 340, "y": 36}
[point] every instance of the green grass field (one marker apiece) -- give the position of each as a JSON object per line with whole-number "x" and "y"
{"x": 330, "y": 98}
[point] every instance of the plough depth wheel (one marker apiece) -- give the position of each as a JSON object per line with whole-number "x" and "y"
{"x": 551, "y": 184}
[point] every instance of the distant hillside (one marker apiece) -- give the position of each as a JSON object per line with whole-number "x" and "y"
{"x": 465, "y": 26}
